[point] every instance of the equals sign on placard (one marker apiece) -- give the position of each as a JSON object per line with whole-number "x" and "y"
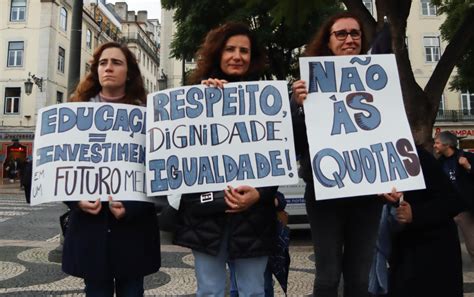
{"x": 97, "y": 137}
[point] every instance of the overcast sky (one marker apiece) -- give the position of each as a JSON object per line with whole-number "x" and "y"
{"x": 152, "y": 6}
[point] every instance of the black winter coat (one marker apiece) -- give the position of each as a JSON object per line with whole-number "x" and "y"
{"x": 252, "y": 232}
{"x": 464, "y": 179}
{"x": 426, "y": 256}
{"x": 99, "y": 247}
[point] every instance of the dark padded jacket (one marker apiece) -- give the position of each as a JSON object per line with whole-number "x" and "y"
{"x": 252, "y": 232}
{"x": 464, "y": 179}
{"x": 99, "y": 247}
{"x": 426, "y": 255}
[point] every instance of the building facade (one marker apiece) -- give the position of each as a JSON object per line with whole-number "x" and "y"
{"x": 425, "y": 47}
{"x": 142, "y": 37}
{"x": 172, "y": 70}
{"x": 35, "y": 47}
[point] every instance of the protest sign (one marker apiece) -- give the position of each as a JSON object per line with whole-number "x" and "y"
{"x": 204, "y": 138}
{"x": 87, "y": 151}
{"x": 358, "y": 133}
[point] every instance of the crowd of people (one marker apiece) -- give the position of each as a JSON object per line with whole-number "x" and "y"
{"x": 113, "y": 245}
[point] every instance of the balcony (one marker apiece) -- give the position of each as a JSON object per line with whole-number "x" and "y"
{"x": 463, "y": 115}
{"x": 151, "y": 49}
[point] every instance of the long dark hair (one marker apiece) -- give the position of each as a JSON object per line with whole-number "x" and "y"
{"x": 90, "y": 85}
{"x": 208, "y": 56}
{"x": 318, "y": 46}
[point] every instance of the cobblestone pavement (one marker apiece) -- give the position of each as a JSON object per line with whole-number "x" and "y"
{"x": 30, "y": 258}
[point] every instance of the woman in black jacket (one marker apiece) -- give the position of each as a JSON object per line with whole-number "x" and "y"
{"x": 244, "y": 232}
{"x": 343, "y": 230}
{"x": 112, "y": 245}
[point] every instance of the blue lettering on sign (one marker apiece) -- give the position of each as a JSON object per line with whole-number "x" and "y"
{"x": 365, "y": 122}
{"x": 322, "y": 78}
{"x": 104, "y": 118}
{"x": 160, "y": 101}
{"x": 376, "y": 77}
{"x": 190, "y": 171}
{"x": 395, "y": 165}
{"x": 350, "y": 77}
{"x": 176, "y": 104}
{"x": 366, "y": 164}
{"x": 86, "y": 121}
{"x": 229, "y": 98}
{"x": 169, "y": 174}
{"x": 48, "y": 121}
{"x": 66, "y": 119}
{"x": 194, "y": 109}
{"x": 266, "y": 107}
{"x": 341, "y": 118}
{"x": 213, "y": 95}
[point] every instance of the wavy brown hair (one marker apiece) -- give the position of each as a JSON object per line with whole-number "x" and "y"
{"x": 208, "y": 56}
{"x": 318, "y": 46}
{"x": 90, "y": 85}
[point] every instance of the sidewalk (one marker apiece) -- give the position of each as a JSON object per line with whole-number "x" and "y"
{"x": 10, "y": 188}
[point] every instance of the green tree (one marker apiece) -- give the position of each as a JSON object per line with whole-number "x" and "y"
{"x": 456, "y": 11}
{"x": 299, "y": 19}
{"x": 281, "y": 37}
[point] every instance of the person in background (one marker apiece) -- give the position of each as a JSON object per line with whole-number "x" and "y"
{"x": 26, "y": 178}
{"x": 425, "y": 255}
{"x": 111, "y": 245}
{"x": 12, "y": 169}
{"x": 343, "y": 230}
{"x": 244, "y": 229}
{"x": 456, "y": 165}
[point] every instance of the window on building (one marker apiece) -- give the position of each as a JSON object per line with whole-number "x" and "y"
{"x": 369, "y": 5}
{"x": 88, "y": 39}
{"x": 15, "y": 53}
{"x": 63, "y": 18}
{"x": 59, "y": 97}
{"x": 428, "y": 8}
{"x": 467, "y": 103}
{"x": 12, "y": 100}
{"x": 432, "y": 48}
{"x": 61, "y": 59}
{"x": 441, "y": 106}
{"x": 17, "y": 10}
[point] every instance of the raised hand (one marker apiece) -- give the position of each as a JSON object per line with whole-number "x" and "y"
{"x": 214, "y": 82}
{"x": 299, "y": 91}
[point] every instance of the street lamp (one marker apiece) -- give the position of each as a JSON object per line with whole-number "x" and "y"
{"x": 29, "y": 84}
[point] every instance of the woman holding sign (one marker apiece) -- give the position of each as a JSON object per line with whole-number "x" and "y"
{"x": 242, "y": 226}
{"x": 112, "y": 245}
{"x": 343, "y": 230}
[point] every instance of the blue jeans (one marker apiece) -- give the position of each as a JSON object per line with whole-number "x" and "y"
{"x": 344, "y": 233}
{"x": 211, "y": 273}
{"x": 123, "y": 287}
{"x": 268, "y": 280}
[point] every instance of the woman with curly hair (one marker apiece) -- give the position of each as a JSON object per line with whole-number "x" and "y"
{"x": 112, "y": 245}
{"x": 244, "y": 229}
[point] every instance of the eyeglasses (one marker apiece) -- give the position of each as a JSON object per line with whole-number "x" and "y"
{"x": 342, "y": 34}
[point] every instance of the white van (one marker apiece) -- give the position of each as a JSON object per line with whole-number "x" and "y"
{"x": 296, "y": 208}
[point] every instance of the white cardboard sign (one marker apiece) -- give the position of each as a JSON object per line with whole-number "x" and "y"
{"x": 358, "y": 133}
